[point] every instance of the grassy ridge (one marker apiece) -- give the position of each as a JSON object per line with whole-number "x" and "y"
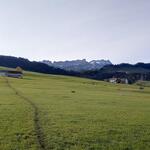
{"x": 74, "y": 113}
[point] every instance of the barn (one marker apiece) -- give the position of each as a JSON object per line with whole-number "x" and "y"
{"x": 11, "y": 73}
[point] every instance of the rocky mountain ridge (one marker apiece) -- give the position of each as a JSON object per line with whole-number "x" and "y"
{"x": 78, "y": 65}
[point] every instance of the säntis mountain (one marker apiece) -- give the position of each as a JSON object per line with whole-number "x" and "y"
{"x": 78, "y": 65}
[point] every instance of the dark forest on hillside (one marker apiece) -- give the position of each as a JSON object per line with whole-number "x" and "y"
{"x": 131, "y": 72}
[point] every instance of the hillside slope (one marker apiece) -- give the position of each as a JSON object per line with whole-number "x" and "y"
{"x": 13, "y": 62}
{"x": 132, "y": 72}
{"x": 57, "y": 112}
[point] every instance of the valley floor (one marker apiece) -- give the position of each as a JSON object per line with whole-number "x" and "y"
{"x": 43, "y": 112}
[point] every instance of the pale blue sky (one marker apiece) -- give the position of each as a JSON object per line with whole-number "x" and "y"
{"x": 118, "y": 30}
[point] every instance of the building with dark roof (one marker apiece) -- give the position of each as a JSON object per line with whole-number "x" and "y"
{"x": 11, "y": 73}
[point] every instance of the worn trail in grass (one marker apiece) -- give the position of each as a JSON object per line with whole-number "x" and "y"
{"x": 38, "y": 129}
{"x": 16, "y": 121}
{"x": 74, "y": 114}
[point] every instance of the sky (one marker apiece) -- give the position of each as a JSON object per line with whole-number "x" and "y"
{"x": 118, "y": 30}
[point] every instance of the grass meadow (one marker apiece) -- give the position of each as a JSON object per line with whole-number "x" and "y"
{"x": 48, "y": 112}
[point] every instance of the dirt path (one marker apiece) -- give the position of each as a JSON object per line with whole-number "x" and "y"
{"x": 37, "y": 127}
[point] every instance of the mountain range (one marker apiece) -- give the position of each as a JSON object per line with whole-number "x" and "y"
{"x": 131, "y": 72}
{"x": 78, "y": 65}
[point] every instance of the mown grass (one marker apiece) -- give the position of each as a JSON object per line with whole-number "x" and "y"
{"x": 74, "y": 114}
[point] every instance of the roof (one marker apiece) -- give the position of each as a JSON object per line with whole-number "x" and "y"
{"x": 10, "y": 71}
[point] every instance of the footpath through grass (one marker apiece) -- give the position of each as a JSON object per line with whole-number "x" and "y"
{"x": 73, "y": 114}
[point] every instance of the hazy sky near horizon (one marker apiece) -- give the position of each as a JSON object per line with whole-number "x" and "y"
{"x": 118, "y": 30}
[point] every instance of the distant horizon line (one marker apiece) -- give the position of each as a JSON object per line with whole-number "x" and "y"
{"x": 88, "y": 60}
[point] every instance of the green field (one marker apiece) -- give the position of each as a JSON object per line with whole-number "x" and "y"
{"x": 45, "y": 112}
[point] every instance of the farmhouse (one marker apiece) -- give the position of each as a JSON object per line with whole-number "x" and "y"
{"x": 119, "y": 80}
{"x": 11, "y": 73}
{"x": 14, "y": 74}
{"x": 124, "y": 81}
{"x": 113, "y": 80}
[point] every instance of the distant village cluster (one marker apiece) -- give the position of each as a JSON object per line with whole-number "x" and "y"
{"x": 118, "y": 80}
{"x": 16, "y": 73}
